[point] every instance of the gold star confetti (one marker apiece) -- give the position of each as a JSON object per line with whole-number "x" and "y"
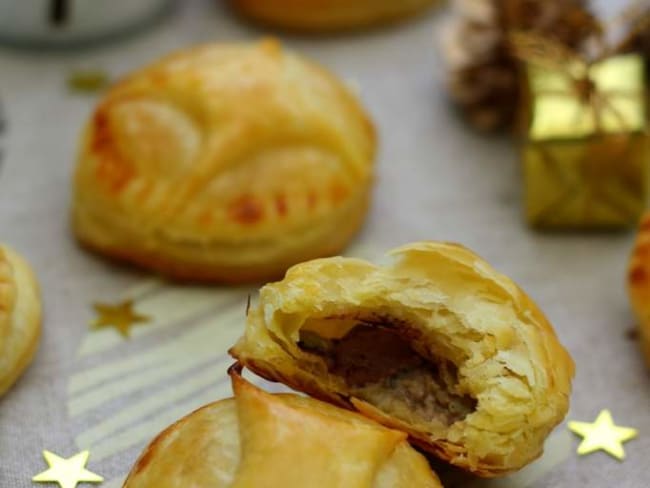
{"x": 67, "y": 472}
{"x": 120, "y": 316}
{"x": 602, "y": 434}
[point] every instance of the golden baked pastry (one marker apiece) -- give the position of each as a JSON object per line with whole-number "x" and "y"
{"x": 437, "y": 344}
{"x": 20, "y": 317}
{"x": 225, "y": 162}
{"x": 639, "y": 283}
{"x": 260, "y": 440}
{"x": 327, "y": 15}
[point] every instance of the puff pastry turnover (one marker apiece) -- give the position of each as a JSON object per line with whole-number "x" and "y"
{"x": 20, "y": 317}
{"x": 260, "y": 440}
{"x": 639, "y": 283}
{"x": 324, "y": 15}
{"x": 225, "y": 162}
{"x": 436, "y": 344}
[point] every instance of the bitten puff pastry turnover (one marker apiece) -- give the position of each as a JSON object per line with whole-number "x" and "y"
{"x": 257, "y": 440}
{"x": 225, "y": 162}
{"x": 639, "y": 283}
{"x": 20, "y": 317}
{"x": 436, "y": 344}
{"x": 325, "y": 15}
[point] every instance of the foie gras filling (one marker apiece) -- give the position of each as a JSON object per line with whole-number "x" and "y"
{"x": 379, "y": 366}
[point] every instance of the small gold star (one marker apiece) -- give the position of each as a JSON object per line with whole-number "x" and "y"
{"x": 602, "y": 434}
{"x": 120, "y": 316}
{"x": 67, "y": 472}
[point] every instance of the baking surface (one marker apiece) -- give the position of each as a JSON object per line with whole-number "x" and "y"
{"x": 436, "y": 180}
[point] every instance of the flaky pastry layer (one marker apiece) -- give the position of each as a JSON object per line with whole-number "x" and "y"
{"x": 260, "y": 440}
{"x": 436, "y": 343}
{"x": 224, "y": 162}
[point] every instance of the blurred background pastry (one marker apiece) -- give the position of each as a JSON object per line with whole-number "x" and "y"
{"x": 20, "y": 316}
{"x": 437, "y": 344}
{"x": 258, "y": 439}
{"x": 224, "y": 162}
{"x": 639, "y": 283}
{"x": 324, "y": 15}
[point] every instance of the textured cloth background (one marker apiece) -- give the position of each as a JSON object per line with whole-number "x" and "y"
{"x": 436, "y": 180}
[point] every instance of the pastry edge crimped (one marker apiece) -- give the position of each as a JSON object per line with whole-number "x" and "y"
{"x": 544, "y": 355}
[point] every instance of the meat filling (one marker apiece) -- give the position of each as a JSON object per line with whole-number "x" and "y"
{"x": 380, "y": 367}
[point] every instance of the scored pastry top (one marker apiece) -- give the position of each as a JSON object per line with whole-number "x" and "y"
{"x": 225, "y": 142}
{"x": 437, "y": 344}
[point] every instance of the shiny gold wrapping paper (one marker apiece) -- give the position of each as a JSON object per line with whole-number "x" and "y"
{"x": 586, "y": 160}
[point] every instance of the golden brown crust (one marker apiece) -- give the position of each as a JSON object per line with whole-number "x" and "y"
{"x": 257, "y": 439}
{"x": 328, "y": 15}
{"x": 195, "y": 271}
{"x": 454, "y": 308}
{"x": 639, "y": 283}
{"x": 20, "y": 317}
{"x": 225, "y": 162}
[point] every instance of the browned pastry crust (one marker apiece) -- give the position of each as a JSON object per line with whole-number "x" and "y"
{"x": 437, "y": 344}
{"x": 328, "y": 15}
{"x": 189, "y": 271}
{"x": 224, "y": 162}
{"x": 259, "y": 440}
{"x": 639, "y": 283}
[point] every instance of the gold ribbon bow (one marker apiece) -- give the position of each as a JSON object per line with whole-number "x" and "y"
{"x": 576, "y": 66}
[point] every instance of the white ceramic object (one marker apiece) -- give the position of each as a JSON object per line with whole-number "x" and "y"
{"x": 72, "y": 21}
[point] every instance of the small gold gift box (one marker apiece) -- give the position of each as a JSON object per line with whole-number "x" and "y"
{"x": 586, "y": 151}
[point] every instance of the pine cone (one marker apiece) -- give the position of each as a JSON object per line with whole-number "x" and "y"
{"x": 483, "y": 75}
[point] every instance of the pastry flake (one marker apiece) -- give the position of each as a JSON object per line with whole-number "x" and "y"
{"x": 258, "y": 439}
{"x": 20, "y": 316}
{"x": 436, "y": 344}
{"x": 224, "y": 162}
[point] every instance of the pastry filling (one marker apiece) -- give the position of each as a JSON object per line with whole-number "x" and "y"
{"x": 380, "y": 367}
